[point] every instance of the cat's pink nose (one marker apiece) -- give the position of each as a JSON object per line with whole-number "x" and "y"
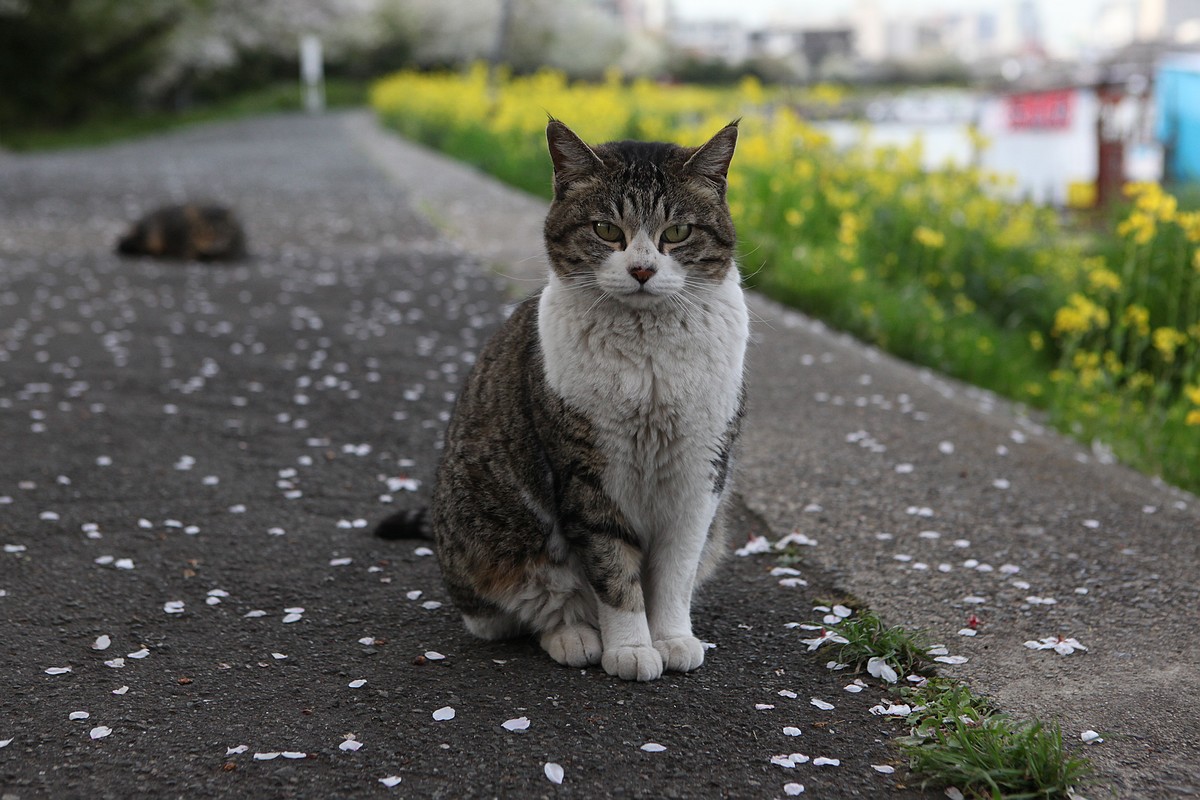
{"x": 641, "y": 274}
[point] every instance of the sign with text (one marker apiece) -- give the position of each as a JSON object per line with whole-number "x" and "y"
{"x": 1040, "y": 110}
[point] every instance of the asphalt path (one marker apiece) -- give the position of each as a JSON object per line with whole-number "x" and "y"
{"x": 192, "y": 456}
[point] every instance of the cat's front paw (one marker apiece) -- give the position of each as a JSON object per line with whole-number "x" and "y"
{"x": 573, "y": 645}
{"x": 633, "y": 663}
{"x": 680, "y": 653}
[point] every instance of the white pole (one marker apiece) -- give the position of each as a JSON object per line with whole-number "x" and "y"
{"x": 312, "y": 73}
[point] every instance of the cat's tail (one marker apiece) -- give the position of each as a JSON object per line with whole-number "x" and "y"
{"x": 411, "y": 524}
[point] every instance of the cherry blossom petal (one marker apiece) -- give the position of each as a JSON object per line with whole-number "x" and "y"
{"x": 879, "y": 668}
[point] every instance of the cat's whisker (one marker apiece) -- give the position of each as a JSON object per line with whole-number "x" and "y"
{"x": 538, "y": 280}
{"x": 750, "y": 252}
{"x": 691, "y": 309}
{"x": 749, "y": 275}
{"x": 761, "y": 320}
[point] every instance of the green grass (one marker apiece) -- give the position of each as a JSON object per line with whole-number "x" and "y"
{"x": 958, "y": 738}
{"x": 897, "y": 318}
{"x": 867, "y": 637}
{"x": 104, "y": 130}
{"x": 995, "y": 756}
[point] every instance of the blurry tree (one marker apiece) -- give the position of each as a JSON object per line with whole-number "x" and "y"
{"x": 232, "y": 45}
{"x": 572, "y": 35}
{"x": 439, "y": 33}
{"x": 64, "y": 60}
{"x": 61, "y": 60}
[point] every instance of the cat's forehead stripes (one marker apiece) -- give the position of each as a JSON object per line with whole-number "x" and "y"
{"x": 642, "y": 170}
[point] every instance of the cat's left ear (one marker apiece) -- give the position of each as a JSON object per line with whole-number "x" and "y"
{"x": 711, "y": 159}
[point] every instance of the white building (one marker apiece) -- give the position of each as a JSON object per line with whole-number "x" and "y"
{"x": 723, "y": 40}
{"x": 1120, "y": 23}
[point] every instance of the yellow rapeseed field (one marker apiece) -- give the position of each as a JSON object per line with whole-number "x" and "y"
{"x": 1103, "y": 330}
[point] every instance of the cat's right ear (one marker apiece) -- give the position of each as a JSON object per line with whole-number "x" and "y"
{"x": 572, "y": 158}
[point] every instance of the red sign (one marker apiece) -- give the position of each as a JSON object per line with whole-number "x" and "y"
{"x": 1041, "y": 110}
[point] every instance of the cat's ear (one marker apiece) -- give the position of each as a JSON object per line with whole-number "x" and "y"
{"x": 711, "y": 159}
{"x": 572, "y": 158}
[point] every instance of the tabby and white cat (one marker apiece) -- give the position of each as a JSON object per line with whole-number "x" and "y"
{"x": 586, "y": 465}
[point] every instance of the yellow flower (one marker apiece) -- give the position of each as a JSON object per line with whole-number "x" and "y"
{"x": 1079, "y": 315}
{"x": 979, "y": 142}
{"x": 1167, "y": 208}
{"x": 751, "y": 89}
{"x": 849, "y": 224}
{"x": 1167, "y": 341}
{"x": 1193, "y": 394}
{"x": 1081, "y": 194}
{"x": 1193, "y": 417}
{"x": 1138, "y": 318}
{"x": 1101, "y": 279}
{"x": 1150, "y": 198}
{"x": 930, "y": 238}
{"x": 1139, "y": 226}
{"x": 1112, "y": 363}
{"x": 1189, "y": 223}
{"x": 1141, "y": 380}
{"x": 793, "y": 218}
{"x": 1037, "y": 341}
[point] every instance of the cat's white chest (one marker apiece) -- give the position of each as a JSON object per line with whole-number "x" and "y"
{"x": 659, "y": 387}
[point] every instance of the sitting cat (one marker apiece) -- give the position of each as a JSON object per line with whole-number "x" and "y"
{"x": 586, "y": 465}
{"x": 190, "y": 231}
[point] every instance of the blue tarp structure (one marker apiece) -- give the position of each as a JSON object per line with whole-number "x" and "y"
{"x": 1178, "y": 91}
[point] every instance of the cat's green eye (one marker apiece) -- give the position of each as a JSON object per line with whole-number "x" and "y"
{"x": 677, "y": 233}
{"x": 608, "y": 232}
